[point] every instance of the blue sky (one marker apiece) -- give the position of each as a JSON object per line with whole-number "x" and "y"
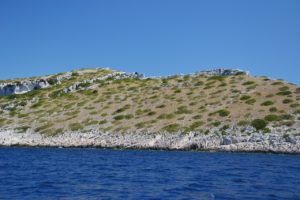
{"x": 157, "y": 37}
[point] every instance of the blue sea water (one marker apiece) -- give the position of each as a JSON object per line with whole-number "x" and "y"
{"x": 49, "y": 173}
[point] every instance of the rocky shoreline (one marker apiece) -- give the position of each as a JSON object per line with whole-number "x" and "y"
{"x": 254, "y": 142}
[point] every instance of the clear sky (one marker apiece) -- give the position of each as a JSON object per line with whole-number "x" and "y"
{"x": 155, "y": 37}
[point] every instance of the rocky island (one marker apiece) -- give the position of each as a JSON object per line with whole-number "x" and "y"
{"x": 214, "y": 110}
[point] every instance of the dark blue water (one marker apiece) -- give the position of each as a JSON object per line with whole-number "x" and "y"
{"x": 28, "y": 173}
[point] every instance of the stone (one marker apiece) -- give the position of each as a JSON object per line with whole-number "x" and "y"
{"x": 223, "y": 72}
{"x": 7, "y": 89}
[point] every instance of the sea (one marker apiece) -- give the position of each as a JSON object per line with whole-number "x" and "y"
{"x": 87, "y": 173}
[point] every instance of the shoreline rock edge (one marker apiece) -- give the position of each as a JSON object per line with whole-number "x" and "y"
{"x": 255, "y": 142}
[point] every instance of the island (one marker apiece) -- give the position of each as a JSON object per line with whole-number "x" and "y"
{"x": 213, "y": 110}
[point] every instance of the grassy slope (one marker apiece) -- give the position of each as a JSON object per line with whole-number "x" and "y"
{"x": 175, "y": 103}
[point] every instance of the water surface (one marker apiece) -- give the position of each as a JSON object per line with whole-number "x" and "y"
{"x": 49, "y": 173}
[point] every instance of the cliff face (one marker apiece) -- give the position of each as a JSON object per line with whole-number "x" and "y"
{"x": 224, "y": 103}
{"x": 7, "y": 89}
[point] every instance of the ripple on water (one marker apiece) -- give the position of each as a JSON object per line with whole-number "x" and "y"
{"x": 27, "y": 173}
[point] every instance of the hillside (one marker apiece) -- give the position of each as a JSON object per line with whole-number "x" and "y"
{"x": 110, "y": 101}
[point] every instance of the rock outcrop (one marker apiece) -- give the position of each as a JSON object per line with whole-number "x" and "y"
{"x": 223, "y": 72}
{"x": 11, "y": 88}
{"x": 255, "y": 142}
{"x": 114, "y": 76}
{"x": 7, "y": 89}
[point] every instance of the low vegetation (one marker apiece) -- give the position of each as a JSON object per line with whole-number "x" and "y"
{"x": 176, "y": 103}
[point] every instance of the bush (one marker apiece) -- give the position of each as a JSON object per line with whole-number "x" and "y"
{"x": 277, "y": 83}
{"x": 161, "y": 106}
{"x": 52, "y": 81}
{"x": 248, "y": 83}
{"x": 259, "y": 124}
{"x": 245, "y": 97}
{"x": 102, "y": 122}
{"x": 273, "y": 109}
{"x": 286, "y": 117}
{"x": 284, "y": 93}
{"x": 294, "y": 105}
{"x": 119, "y": 117}
{"x": 151, "y": 113}
{"x": 123, "y": 109}
{"x": 251, "y": 101}
{"x": 75, "y": 126}
{"x": 177, "y": 91}
{"x": 216, "y": 78}
{"x": 196, "y": 125}
{"x": 284, "y": 88}
{"x": 197, "y": 117}
{"x": 140, "y": 125}
{"x": 287, "y": 101}
{"x": 183, "y": 110}
{"x": 272, "y": 118}
{"x": 167, "y": 116}
{"x": 243, "y": 123}
{"x": 171, "y": 128}
{"x": 223, "y": 113}
{"x": 267, "y": 103}
{"x": 216, "y": 123}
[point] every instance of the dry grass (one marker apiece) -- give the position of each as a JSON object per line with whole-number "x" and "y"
{"x": 174, "y": 103}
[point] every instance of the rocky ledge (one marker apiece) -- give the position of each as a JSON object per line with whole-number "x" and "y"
{"x": 254, "y": 142}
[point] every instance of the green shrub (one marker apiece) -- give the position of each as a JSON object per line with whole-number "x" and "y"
{"x": 196, "y": 124}
{"x": 140, "y": 125}
{"x": 167, "y": 116}
{"x": 286, "y": 117}
{"x": 171, "y": 128}
{"x": 75, "y": 126}
{"x": 52, "y": 81}
{"x": 273, "y": 109}
{"x": 251, "y": 101}
{"x": 75, "y": 74}
{"x": 177, "y": 91}
{"x": 151, "y": 113}
{"x": 216, "y": 123}
{"x": 297, "y": 90}
{"x": 161, "y": 106}
{"x": 272, "y": 118}
{"x": 126, "y": 107}
{"x": 294, "y": 105}
{"x": 38, "y": 104}
{"x": 197, "y": 117}
{"x": 287, "y": 101}
{"x": 89, "y": 92}
{"x": 243, "y": 123}
{"x": 259, "y": 124}
{"x": 248, "y": 83}
{"x": 216, "y": 78}
{"x": 266, "y": 130}
{"x": 296, "y": 112}
{"x": 199, "y": 83}
{"x": 278, "y": 83}
{"x": 245, "y": 97}
{"x": 102, "y": 122}
{"x": 119, "y": 117}
{"x": 284, "y": 88}
{"x": 225, "y": 127}
{"x": 284, "y": 93}
{"x": 223, "y": 113}
{"x": 183, "y": 110}
{"x": 267, "y": 103}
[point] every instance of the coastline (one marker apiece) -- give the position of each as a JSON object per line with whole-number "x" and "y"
{"x": 254, "y": 142}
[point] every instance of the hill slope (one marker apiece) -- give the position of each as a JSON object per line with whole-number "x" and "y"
{"x": 115, "y": 102}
